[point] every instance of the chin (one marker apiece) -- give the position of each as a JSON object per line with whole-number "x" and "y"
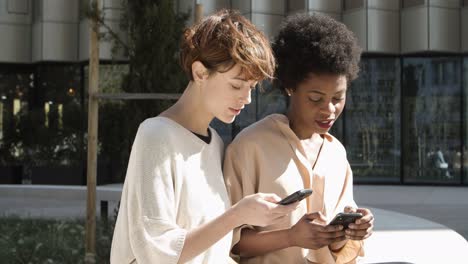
{"x": 321, "y": 130}
{"x": 226, "y": 119}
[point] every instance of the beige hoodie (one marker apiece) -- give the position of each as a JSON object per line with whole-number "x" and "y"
{"x": 268, "y": 157}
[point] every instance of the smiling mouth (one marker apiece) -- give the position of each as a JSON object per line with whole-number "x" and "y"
{"x": 325, "y": 123}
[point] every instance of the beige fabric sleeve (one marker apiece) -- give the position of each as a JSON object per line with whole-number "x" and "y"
{"x": 352, "y": 249}
{"x": 239, "y": 176}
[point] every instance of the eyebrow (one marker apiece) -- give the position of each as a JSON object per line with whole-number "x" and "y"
{"x": 315, "y": 91}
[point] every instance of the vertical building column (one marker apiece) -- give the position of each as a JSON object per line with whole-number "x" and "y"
{"x": 430, "y": 25}
{"x": 267, "y": 15}
{"x": 209, "y": 7}
{"x": 55, "y": 30}
{"x": 15, "y": 29}
{"x": 331, "y": 8}
{"x": 112, "y": 11}
{"x": 375, "y": 23}
{"x": 464, "y": 27}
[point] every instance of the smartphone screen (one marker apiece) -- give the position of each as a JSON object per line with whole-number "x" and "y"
{"x": 295, "y": 197}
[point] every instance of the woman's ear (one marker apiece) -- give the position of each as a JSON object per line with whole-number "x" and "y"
{"x": 199, "y": 71}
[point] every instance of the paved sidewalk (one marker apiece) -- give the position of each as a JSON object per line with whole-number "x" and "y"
{"x": 413, "y": 224}
{"x": 444, "y": 205}
{"x": 401, "y": 238}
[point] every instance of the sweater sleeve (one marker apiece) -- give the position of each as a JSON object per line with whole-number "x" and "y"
{"x": 154, "y": 235}
{"x": 353, "y": 248}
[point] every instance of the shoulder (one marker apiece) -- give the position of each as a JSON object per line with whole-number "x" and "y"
{"x": 256, "y": 136}
{"x": 335, "y": 144}
{"x": 155, "y": 126}
{"x": 258, "y": 131}
{"x": 155, "y": 133}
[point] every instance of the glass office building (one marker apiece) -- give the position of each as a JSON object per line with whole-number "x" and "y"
{"x": 405, "y": 122}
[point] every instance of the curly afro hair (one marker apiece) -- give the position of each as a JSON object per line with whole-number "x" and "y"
{"x": 314, "y": 44}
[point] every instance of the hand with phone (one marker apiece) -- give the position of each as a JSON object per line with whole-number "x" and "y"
{"x": 344, "y": 219}
{"x": 261, "y": 209}
{"x": 363, "y": 227}
{"x": 312, "y": 232}
{"x": 357, "y": 224}
{"x": 296, "y": 197}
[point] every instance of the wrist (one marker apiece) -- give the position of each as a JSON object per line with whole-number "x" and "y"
{"x": 290, "y": 237}
{"x": 233, "y": 217}
{"x": 337, "y": 246}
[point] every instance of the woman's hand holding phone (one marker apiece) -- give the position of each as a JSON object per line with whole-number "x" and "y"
{"x": 261, "y": 209}
{"x": 312, "y": 232}
{"x": 362, "y": 228}
{"x": 296, "y": 197}
{"x": 357, "y": 223}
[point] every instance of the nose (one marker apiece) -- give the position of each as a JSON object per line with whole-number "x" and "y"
{"x": 329, "y": 109}
{"x": 246, "y": 98}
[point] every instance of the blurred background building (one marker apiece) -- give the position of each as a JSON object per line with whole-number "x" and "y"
{"x": 405, "y": 122}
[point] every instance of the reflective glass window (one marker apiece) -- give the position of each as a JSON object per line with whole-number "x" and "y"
{"x": 15, "y": 83}
{"x": 372, "y": 121}
{"x": 431, "y": 119}
{"x": 462, "y": 157}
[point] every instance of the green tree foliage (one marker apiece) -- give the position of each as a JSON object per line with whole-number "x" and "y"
{"x": 154, "y": 31}
{"x": 153, "y": 34}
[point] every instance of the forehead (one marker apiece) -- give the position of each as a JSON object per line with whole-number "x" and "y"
{"x": 324, "y": 81}
{"x": 238, "y": 73}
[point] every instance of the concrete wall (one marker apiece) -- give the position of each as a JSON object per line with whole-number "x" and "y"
{"x": 265, "y": 14}
{"x": 464, "y": 27}
{"x": 55, "y": 30}
{"x": 375, "y": 23}
{"x": 15, "y": 30}
{"x": 112, "y": 10}
{"x": 431, "y": 26}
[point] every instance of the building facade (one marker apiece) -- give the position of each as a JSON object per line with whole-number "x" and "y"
{"x": 405, "y": 122}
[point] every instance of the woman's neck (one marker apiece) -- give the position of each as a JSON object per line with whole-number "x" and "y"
{"x": 302, "y": 132}
{"x": 189, "y": 112}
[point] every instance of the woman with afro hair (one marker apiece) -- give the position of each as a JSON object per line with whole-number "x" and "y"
{"x": 317, "y": 58}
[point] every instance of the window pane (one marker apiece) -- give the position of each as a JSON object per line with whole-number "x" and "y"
{"x": 464, "y": 154}
{"x": 372, "y": 124}
{"x": 270, "y": 100}
{"x": 265, "y": 101}
{"x": 15, "y": 83}
{"x": 57, "y": 114}
{"x": 431, "y": 119}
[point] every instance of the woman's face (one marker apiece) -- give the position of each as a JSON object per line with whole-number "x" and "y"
{"x": 227, "y": 93}
{"x": 317, "y": 102}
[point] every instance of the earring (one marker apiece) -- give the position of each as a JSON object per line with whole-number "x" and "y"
{"x": 288, "y": 92}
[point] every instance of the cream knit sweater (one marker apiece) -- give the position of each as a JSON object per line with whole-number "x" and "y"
{"x": 174, "y": 183}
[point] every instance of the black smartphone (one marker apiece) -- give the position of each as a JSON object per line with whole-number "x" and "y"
{"x": 345, "y": 219}
{"x": 295, "y": 197}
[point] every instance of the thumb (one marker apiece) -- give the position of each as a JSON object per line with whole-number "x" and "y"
{"x": 315, "y": 216}
{"x": 270, "y": 197}
{"x": 349, "y": 209}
